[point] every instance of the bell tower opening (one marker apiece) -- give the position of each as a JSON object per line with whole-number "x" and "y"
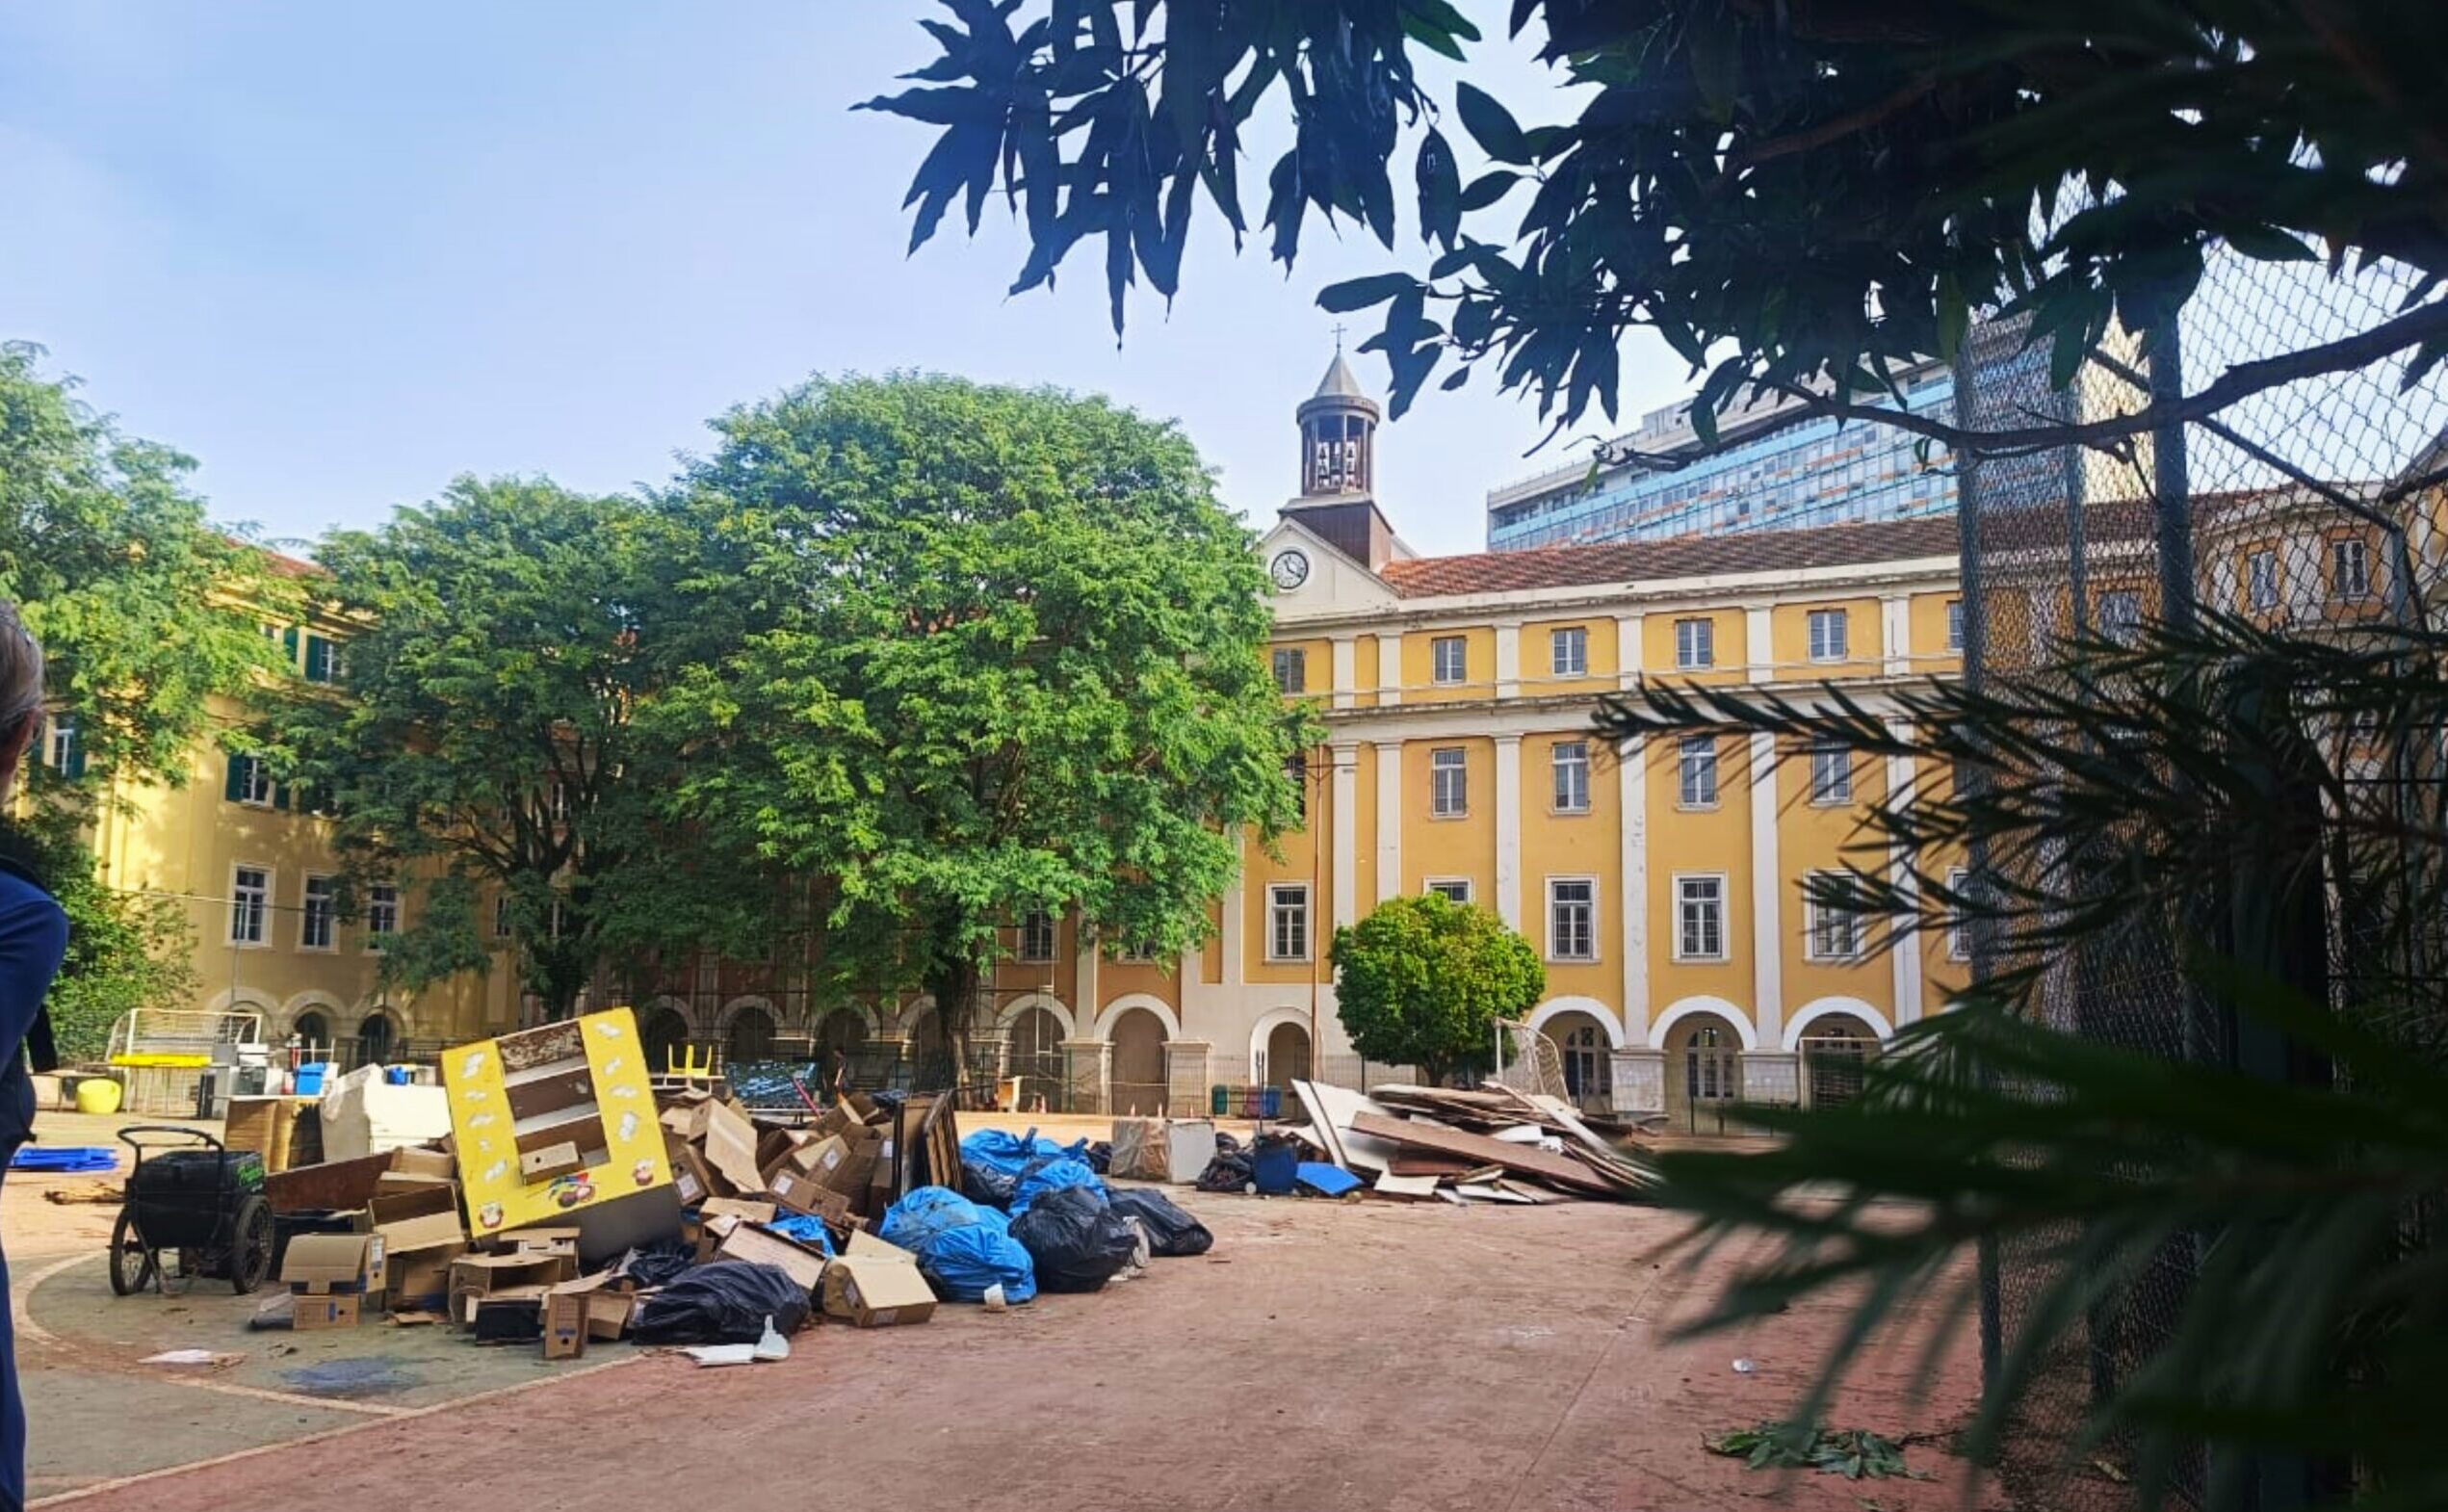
{"x": 1338, "y": 468}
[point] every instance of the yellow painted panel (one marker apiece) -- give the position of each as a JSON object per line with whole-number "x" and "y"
{"x": 1317, "y": 670}
{"x": 1365, "y": 669}
{"x": 1300, "y": 861}
{"x": 1926, "y": 617}
{"x": 498, "y": 1198}
{"x": 1463, "y": 846}
{"x": 1699, "y": 841}
{"x": 1562, "y": 844}
{"x": 1815, "y": 837}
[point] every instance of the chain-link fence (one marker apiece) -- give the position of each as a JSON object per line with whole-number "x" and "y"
{"x": 2303, "y": 511}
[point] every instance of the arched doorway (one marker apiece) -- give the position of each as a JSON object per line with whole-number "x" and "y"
{"x": 751, "y": 1037}
{"x": 312, "y": 1032}
{"x": 376, "y": 1037}
{"x": 1286, "y": 1057}
{"x": 1138, "y": 1062}
{"x": 1835, "y": 1049}
{"x": 1703, "y": 1072}
{"x": 664, "y": 1032}
{"x": 928, "y": 1052}
{"x": 1583, "y": 1046}
{"x": 1035, "y": 1049}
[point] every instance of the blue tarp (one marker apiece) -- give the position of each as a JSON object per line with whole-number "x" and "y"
{"x": 1327, "y": 1180}
{"x": 70, "y": 1159}
{"x": 1010, "y": 1153}
{"x": 1045, "y": 1176}
{"x": 961, "y": 1247}
{"x": 806, "y": 1228}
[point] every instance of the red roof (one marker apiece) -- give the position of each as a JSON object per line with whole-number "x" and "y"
{"x": 1679, "y": 557}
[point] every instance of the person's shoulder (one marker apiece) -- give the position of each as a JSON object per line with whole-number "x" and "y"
{"x": 22, "y": 900}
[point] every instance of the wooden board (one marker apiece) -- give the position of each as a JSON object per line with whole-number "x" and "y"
{"x": 342, "y": 1184}
{"x": 1522, "y": 1160}
{"x": 1406, "y": 1189}
{"x": 1419, "y": 1163}
{"x": 1336, "y": 1109}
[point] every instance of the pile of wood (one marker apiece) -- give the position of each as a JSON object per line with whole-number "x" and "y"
{"x": 1423, "y": 1143}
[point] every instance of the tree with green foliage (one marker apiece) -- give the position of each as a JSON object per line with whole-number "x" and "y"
{"x": 963, "y": 652}
{"x": 482, "y": 741}
{"x": 146, "y": 614}
{"x": 1422, "y": 980}
{"x": 1798, "y": 198}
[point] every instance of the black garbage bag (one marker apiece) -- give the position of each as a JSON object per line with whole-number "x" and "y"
{"x": 725, "y": 1302}
{"x": 986, "y": 1186}
{"x": 1171, "y": 1232}
{"x": 656, "y": 1265}
{"x": 1229, "y": 1171}
{"x": 1077, "y": 1243}
{"x": 1099, "y": 1157}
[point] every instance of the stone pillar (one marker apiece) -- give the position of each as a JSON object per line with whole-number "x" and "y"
{"x": 1640, "y": 1081}
{"x": 1346, "y": 653}
{"x": 1771, "y": 1076}
{"x": 1508, "y": 661}
{"x": 1508, "y": 829}
{"x": 1087, "y": 1066}
{"x": 1185, "y": 1077}
{"x": 1343, "y": 858}
{"x": 1389, "y": 819}
{"x": 1767, "y": 894}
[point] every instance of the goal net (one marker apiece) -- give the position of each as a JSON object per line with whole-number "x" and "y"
{"x": 1527, "y": 1060}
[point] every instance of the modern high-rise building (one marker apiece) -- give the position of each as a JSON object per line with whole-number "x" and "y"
{"x": 1777, "y": 467}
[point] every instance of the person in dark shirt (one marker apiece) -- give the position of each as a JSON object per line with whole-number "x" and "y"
{"x": 34, "y": 934}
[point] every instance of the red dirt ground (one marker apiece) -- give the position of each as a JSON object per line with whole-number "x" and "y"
{"x": 1325, "y": 1356}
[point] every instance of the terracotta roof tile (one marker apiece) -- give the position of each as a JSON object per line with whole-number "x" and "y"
{"x": 1680, "y": 557}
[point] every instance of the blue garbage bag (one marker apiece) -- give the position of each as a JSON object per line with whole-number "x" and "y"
{"x": 1010, "y": 1153}
{"x": 806, "y": 1228}
{"x": 1046, "y": 1176}
{"x": 961, "y": 1247}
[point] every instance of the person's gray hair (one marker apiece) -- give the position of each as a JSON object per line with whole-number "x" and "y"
{"x": 21, "y": 672}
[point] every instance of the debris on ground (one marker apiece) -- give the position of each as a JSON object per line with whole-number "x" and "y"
{"x": 1492, "y": 1144}
{"x": 73, "y": 1159}
{"x": 111, "y": 1196}
{"x": 203, "y": 1359}
{"x": 1855, "y": 1453}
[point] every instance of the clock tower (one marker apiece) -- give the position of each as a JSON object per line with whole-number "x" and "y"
{"x": 1339, "y": 470}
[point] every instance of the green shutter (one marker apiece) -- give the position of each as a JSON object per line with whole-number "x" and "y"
{"x": 318, "y": 659}
{"x": 234, "y": 785}
{"x": 76, "y": 754}
{"x": 289, "y": 646}
{"x": 280, "y": 795}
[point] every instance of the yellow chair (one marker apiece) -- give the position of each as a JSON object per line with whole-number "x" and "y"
{"x": 691, "y": 1063}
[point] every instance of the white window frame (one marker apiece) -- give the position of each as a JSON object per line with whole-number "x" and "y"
{"x": 501, "y": 916}
{"x": 1455, "y": 804}
{"x": 1457, "y": 889}
{"x": 2123, "y": 626}
{"x": 1031, "y": 924}
{"x": 1294, "y": 658}
{"x": 1955, "y": 624}
{"x": 258, "y": 933}
{"x": 1958, "y": 934}
{"x": 1685, "y": 750}
{"x": 1831, "y": 635}
{"x": 260, "y": 788}
{"x": 379, "y": 907}
{"x": 1568, "y": 651}
{"x": 2342, "y": 551}
{"x": 1695, "y": 643}
{"x": 1438, "y": 672}
{"x": 1816, "y": 917}
{"x": 330, "y": 915}
{"x": 1683, "y": 882}
{"x": 1831, "y": 775}
{"x": 1287, "y": 902}
{"x": 2256, "y": 580}
{"x": 58, "y": 743}
{"x": 1554, "y": 908}
{"x": 1558, "y": 765}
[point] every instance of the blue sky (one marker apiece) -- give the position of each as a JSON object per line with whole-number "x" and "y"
{"x": 343, "y": 253}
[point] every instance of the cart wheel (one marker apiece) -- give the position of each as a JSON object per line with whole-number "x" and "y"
{"x": 131, "y": 1264}
{"x": 250, "y": 1247}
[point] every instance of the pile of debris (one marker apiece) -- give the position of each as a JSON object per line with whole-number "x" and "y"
{"x": 1489, "y": 1145}
{"x": 571, "y": 1204}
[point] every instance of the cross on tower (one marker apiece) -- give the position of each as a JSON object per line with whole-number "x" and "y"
{"x": 1338, "y": 336}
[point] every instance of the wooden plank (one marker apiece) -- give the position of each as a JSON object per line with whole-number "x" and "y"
{"x": 1521, "y": 1158}
{"x": 1341, "y": 1108}
{"x": 1406, "y": 1189}
{"x": 1419, "y": 1163}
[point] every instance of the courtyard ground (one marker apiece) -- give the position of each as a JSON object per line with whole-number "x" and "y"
{"x": 1325, "y": 1355}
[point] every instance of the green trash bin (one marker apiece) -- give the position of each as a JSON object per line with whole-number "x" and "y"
{"x": 1220, "y": 1099}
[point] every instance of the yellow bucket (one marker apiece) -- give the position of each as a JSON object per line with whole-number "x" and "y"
{"x": 98, "y": 1095}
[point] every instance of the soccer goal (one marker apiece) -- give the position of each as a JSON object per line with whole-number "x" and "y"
{"x": 1527, "y": 1060}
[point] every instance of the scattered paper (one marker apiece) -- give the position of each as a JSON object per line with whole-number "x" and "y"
{"x": 722, "y": 1354}
{"x": 211, "y": 1359}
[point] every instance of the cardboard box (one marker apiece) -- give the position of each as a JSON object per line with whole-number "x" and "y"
{"x": 731, "y": 1150}
{"x": 506, "y": 1317}
{"x": 685, "y": 1114}
{"x": 607, "y": 1313}
{"x": 694, "y": 1177}
{"x": 420, "y": 1282}
{"x": 424, "y": 1165}
{"x": 752, "y": 1212}
{"x": 419, "y": 1226}
{"x": 508, "y": 1274}
{"x": 765, "y": 1248}
{"x": 329, "y": 1310}
{"x": 267, "y": 1126}
{"x": 541, "y": 1242}
{"x": 863, "y": 1242}
{"x": 565, "y": 1323}
{"x": 877, "y": 1291}
{"x": 806, "y": 1194}
{"x": 327, "y": 1265}
{"x": 553, "y": 1160}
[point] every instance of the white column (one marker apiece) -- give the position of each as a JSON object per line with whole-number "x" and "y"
{"x": 1627, "y": 649}
{"x": 1508, "y": 829}
{"x": 1389, "y": 672}
{"x": 1347, "y": 670}
{"x": 1389, "y": 819}
{"x": 1084, "y": 981}
{"x": 1906, "y": 957}
{"x": 1895, "y": 634}
{"x": 1767, "y": 898}
{"x": 1757, "y": 647}
{"x": 1236, "y": 900}
{"x": 1508, "y": 661}
{"x": 1346, "y": 857}
{"x": 1631, "y": 773}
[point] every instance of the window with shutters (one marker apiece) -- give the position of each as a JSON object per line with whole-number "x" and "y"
{"x": 1296, "y": 772}
{"x": 1572, "y": 765}
{"x": 323, "y": 659}
{"x": 1958, "y": 934}
{"x": 2350, "y": 572}
{"x": 1695, "y": 643}
{"x": 1831, "y": 775}
{"x": 2260, "y": 579}
{"x": 502, "y": 917}
{"x": 1831, "y": 635}
{"x": 1568, "y": 652}
{"x": 249, "y": 782}
{"x": 1448, "y": 783}
{"x": 317, "y": 920}
{"x": 249, "y": 901}
{"x": 1449, "y": 659}
{"x": 62, "y": 751}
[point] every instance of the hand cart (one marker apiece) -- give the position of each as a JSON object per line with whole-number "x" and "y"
{"x": 190, "y": 1194}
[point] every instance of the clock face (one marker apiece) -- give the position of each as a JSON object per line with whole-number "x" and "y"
{"x": 1289, "y": 569}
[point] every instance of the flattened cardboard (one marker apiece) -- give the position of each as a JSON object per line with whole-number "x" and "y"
{"x": 863, "y": 1242}
{"x": 554, "y": 1240}
{"x": 753, "y": 1212}
{"x": 420, "y": 1215}
{"x": 424, "y": 1165}
{"x": 874, "y": 1290}
{"x": 765, "y": 1248}
{"x": 731, "y": 1149}
{"x": 324, "y": 1265}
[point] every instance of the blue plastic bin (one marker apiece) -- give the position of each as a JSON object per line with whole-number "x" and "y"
{"x": 1274, "y": 1165}
{"x": 310, "y": 1078}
